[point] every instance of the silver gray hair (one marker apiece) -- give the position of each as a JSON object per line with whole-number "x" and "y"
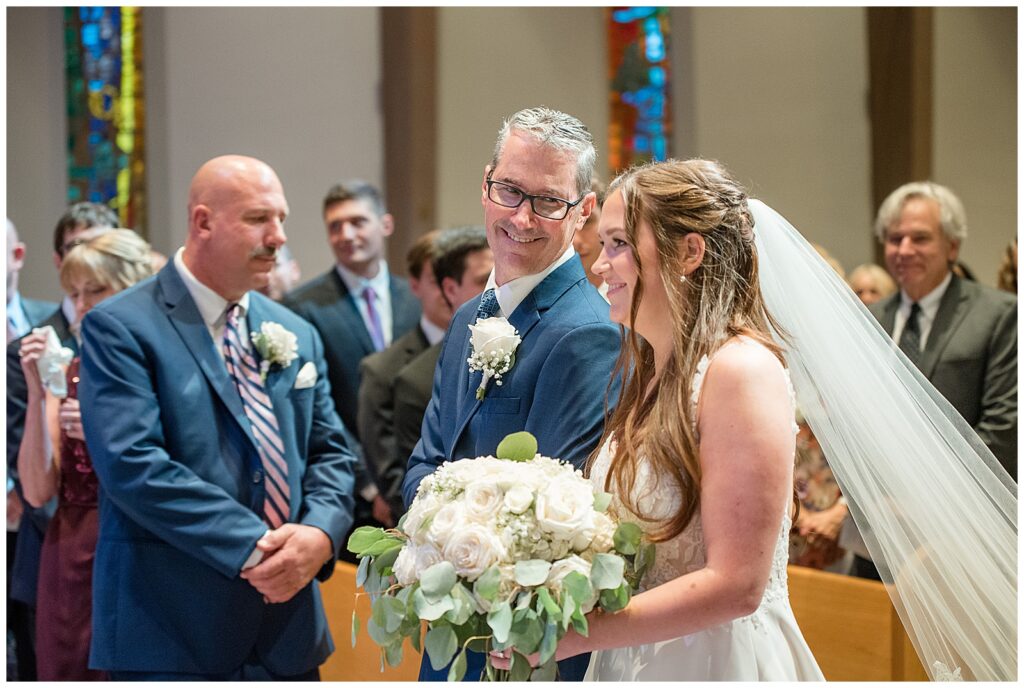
{"x": 952, "y": 218}
{"x": 559, "y": 131}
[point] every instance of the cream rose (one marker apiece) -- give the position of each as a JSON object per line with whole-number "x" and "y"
{"x": 413, "y": 559}
{"x": 518, "y": 498}
{"x": 472, "y": 549}
{"x": 482, "y": 499}
{"x": 561, "y": 569}
{"x": 448, "y": 519}
{"x": 566, "y": 507}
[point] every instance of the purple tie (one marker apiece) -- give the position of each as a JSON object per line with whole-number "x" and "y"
{"x": 245, "y": 372}
{"x": 376, "y": 331}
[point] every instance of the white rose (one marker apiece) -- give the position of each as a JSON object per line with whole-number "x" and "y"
{"x": 493, "y": 337}
{"x": 472, "y": 549}
{"x": 566, "y": 507}
{"x": 413, "y": 560}
{"x": 448, "y": 519}
{"x": 604, "y": 532}
{"x": 282, "y": 345}
{"x": 423, "y": 507}
{"x": 518, "y": 498}
{"x": 482, "y": 499}
{"x": 562, "y": 568}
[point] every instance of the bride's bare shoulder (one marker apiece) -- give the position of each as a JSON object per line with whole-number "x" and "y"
{"x": 742, "y": 362}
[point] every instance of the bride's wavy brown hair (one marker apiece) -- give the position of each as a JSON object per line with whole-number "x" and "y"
{"x": 719, "y": 300}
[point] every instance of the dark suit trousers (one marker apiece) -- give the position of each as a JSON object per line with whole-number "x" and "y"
{"x": 252, "y": 670}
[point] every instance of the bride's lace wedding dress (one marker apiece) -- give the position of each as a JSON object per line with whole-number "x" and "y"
{"x": 764, "y": 646}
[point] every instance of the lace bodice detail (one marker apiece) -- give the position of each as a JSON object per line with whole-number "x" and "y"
{"x": 685, "y": 552}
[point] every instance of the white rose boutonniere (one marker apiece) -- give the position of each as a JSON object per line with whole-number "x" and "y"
{"x": 494, "y": 342}
{"x": 276, "y": 346}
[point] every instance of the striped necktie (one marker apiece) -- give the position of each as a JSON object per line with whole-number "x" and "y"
{"x": 245, "y": 372}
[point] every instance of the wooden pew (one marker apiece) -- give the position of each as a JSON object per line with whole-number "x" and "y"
{"x": 362, "y": 662}
{"x": 852, "y": 628}
{"x": 849, "y": 623}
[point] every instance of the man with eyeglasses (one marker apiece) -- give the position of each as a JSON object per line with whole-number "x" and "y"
{"x": 536, "y": 195}
{"x": 24, "y": 571}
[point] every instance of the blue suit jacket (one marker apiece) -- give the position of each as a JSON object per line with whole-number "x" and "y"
{"x": 182, "y": 489}
{"x": 556, "y": 390}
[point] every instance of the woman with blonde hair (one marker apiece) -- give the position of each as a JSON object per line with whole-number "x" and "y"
{"x": 871, "y": 283}
{"x": 725, "y": 304}
{"x": 53, "y": 460}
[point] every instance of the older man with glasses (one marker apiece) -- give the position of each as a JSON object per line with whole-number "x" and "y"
{"x": 536, "y": 195}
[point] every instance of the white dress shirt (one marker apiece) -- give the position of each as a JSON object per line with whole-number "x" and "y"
{"x": 929, "y": 309}
{"x": 381, "y": 284}
{"x": 512, "y": 293}
{"x": 433, "y": 333}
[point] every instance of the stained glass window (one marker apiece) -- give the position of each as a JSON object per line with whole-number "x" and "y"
{"x": 640, "y": 124}
{"x": 105, "y": 110}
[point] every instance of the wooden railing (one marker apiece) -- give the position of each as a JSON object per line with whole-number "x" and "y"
{"x": 849, "y": 623}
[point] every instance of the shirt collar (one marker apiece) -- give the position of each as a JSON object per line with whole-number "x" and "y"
{"x": 212, "y": 306}
{"x": 929, "y": 303}
{"x": 381, "y": 282}
{"x": 512, "y": 293}
{"x": 433, "y": 333}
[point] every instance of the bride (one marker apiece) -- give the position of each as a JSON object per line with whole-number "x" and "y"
{"x": 700, "y": 449}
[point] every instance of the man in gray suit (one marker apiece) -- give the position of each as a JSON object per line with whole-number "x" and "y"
{"x": 961, "y": 335}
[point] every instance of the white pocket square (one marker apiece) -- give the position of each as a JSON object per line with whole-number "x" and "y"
{"x": 306, "y": 377}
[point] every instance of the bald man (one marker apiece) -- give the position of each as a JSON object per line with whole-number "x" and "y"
{"x": 225, "y": 478}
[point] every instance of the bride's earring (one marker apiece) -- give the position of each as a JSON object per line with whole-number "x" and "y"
{"x": 682, "y": 278}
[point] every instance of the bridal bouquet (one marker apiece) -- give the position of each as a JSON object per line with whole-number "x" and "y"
{"x": 495, "y": 553}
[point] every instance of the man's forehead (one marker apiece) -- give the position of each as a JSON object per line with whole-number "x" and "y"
{"x": 350, "y": 208}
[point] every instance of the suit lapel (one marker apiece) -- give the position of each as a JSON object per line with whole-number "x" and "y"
{"x": 888, "y": 319}
{"x": 952, "y": 309}
{"x": 350, "y": 316}
{"x": 279, "y": 380}
{"x": 185, "y": 317}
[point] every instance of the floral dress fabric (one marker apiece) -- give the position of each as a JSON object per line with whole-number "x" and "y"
{"x": 764, "y": 646}
{"x": 64, "y": 607}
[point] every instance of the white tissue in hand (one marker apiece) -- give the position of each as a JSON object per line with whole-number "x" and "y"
{"x": 53, "y": 363}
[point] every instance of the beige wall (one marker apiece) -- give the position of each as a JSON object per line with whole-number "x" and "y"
{"x": 493, "y": 62}
{"x": 976, "y": 126}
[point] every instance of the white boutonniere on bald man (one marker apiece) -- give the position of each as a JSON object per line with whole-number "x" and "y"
{"x": 494, "y": 343}
{"x": 275, "y": 345}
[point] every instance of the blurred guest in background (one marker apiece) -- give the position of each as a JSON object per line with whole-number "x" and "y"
{"x": 871, "y": 283}
{"x": 586, "y": 242}
{"x": 53, "y": 461}
{"x": 1007, "y": 277}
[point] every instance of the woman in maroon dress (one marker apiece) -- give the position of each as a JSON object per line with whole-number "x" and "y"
{"x": 53, "y": 460}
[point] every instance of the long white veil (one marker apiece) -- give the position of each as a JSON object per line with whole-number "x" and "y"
{"x": 936, "y": 510}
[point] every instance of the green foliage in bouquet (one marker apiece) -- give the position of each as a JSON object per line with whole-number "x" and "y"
{"x": 527, "y": 605}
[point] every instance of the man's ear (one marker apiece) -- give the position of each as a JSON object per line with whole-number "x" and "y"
{"x": 692, "y": 248}
{"x": 387, "y": 224}
{"x": 483, "y": 185}
{"x": 200, "y": 219}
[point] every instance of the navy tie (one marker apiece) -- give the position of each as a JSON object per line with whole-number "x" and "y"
{"x": 910, "y": 340}
{"x": 488, "y": 307}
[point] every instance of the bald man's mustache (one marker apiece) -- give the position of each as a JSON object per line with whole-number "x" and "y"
{"x": 264, "y": 252}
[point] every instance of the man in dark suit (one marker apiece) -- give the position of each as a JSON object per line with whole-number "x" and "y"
{"x": 23, "y": 566}
{"x": 457, "y": 269}
{"x": 536, "y": 194}
{"x": 225, "y": 479}
{"x": 375, "y": 415}
{"x": 961, "y": 335}
{"x": 357, "y": 306}
{"x": 463, "y": 263}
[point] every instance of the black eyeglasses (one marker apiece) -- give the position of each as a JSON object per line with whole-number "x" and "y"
{"x": 551, "y": 207}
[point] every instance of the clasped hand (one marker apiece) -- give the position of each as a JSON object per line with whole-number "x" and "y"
{"x": 292, "y": 555}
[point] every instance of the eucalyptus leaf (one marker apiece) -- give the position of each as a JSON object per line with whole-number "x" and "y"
{"x": 527, "y": 632}
{"x": 549, "y": 642}
{"x": 379, "y": 634}
{"x": 548, "y": 603}
{"x": 386, "y": 559}
{"x": 578, "y": 586}
{"x": 524, "y": 599}
{"x": 355, "y": 627}
{"x": 500, "y": 621}
{"x": 487, "y": 585}
{"x": 601, "y": 501}
{"x": 520, "y": 669}
{"x": 363, "y": 537}
{"x": 627, "y": 538}
{"x": 462, "y": 606}
{"x": 415, "y": 638}
{"x": 393, "y": 653}
{"x": 383, "y": 545}
{"x": 362, "y": 570}
{"x": 441, "y": 645}
{"x": 546, "y": 672}
{"x": 374, "y": 583}
{"x": 438, "y": 580}
{"x": 614, "y": 600}
{"x": 580, "y": 625}
{"x": 388, "y": 613}
{"x": 606, "y": 571}
{"x": 532, "y": 572}
{"x": 518, "y": 446}
{"x": 428, "y": 610}
{"x": 458, "y": 670}
{"x": 644, "y": 560}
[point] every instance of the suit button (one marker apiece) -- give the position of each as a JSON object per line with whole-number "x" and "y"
{"x": 257, "y": 476}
